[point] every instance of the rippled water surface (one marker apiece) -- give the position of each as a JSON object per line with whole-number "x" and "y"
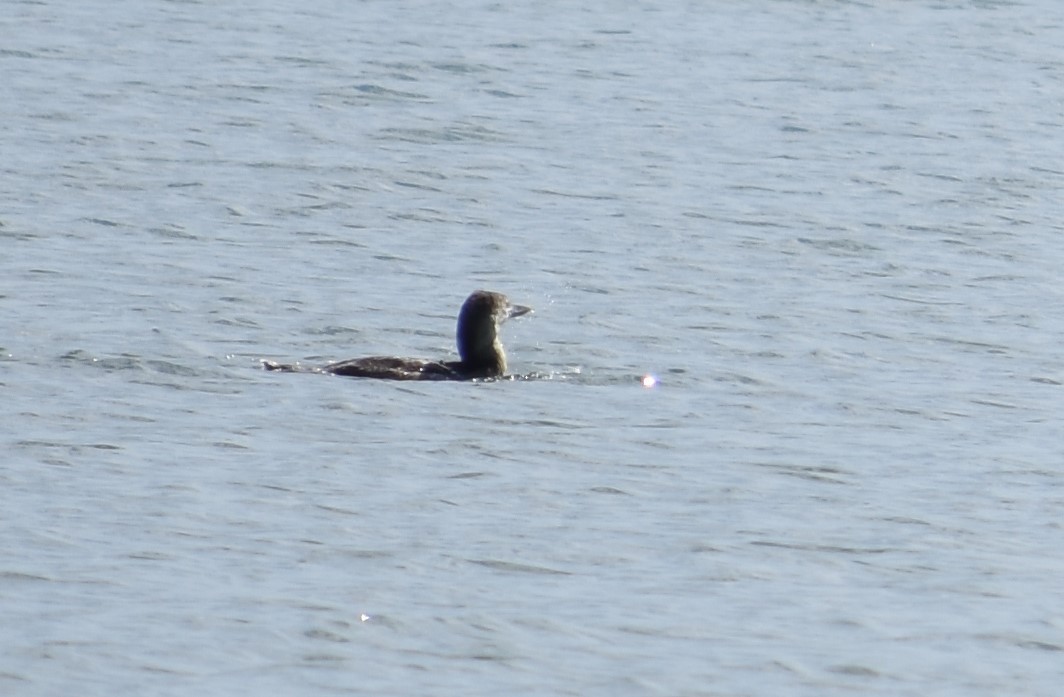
{"x": 830, "y": 230}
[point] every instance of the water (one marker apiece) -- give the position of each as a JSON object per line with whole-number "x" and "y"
{"x": 828, "y": 229}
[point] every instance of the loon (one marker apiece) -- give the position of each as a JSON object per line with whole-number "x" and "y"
{"x": 480, "y": 351}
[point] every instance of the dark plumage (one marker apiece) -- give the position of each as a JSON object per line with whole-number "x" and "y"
{"x": 480, "y": 351}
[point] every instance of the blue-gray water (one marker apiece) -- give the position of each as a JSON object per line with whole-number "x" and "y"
{"x": 832, "y": 230}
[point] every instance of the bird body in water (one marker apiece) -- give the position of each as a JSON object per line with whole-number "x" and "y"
{"x": 480, "y": 352}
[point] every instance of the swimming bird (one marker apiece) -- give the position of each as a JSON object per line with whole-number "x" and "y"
{"x": 479, "y": 349}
